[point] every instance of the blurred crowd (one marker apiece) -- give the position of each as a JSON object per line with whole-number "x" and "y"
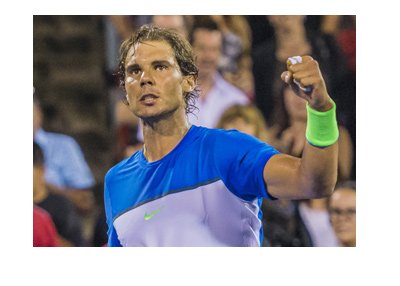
{"x": 240, "y": 60}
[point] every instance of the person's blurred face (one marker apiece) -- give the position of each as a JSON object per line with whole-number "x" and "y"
{"x": 295, "y": 106}
{"x": 241, "y": 125}
{"x": 153, "y": 80}
{"x": 175, "y": 22}
{"x": 38, "y": 180}
{"x": 37, "y": 118}
{"x": 207, "y": 46}
{"x": 342, "y": 211}
{"x": 286, "y": 23}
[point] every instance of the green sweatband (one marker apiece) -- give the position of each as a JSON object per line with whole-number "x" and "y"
{"x": 322, "y": 129}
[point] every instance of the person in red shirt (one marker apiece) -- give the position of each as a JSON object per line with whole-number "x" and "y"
{"x": 44, "y": 231}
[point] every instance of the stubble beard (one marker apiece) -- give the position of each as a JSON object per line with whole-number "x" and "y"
{"x": 154, "y": 119}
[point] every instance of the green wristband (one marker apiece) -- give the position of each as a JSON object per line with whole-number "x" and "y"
{"x": 322, "y": 129}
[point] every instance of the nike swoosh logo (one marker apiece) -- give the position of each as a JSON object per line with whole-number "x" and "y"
{"x": 150, "y": 215}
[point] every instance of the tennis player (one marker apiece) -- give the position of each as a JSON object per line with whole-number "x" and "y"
{"x": 194, "y": 186}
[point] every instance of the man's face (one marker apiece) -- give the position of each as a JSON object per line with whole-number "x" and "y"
{"x": 342, "y": 210}
{"x": 207, "y": 47}
{"x": 153, "y": 80}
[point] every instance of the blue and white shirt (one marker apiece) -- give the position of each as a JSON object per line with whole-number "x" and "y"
{"x": 206, "y": 192}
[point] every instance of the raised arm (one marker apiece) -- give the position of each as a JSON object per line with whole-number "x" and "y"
{"x": 314, "y": 175}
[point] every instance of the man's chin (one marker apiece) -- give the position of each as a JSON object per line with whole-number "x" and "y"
{"x": 153, "y": 117}
{"x": 147, "y": 113}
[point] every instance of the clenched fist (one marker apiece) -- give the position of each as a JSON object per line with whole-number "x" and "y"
{"x": 305, "y": 78}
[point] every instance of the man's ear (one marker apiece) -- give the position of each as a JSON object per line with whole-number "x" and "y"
{"x": 189, "y": 83}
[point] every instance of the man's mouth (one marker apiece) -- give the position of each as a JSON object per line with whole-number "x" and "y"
{"x": 148, "y": 98}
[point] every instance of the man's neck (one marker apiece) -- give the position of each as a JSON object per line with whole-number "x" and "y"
{"x": 162, "y": 137}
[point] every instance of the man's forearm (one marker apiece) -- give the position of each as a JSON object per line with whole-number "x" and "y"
{"x": 318, "y": 170}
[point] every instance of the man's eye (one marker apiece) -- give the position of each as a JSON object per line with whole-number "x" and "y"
{"x": 160, "y": 67}
{"x": 135, "y": 71}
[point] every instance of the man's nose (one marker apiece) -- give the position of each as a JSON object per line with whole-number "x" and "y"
{"x": 146, "y": 78}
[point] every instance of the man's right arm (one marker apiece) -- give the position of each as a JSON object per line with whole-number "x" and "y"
{"x": 315, "y": 174}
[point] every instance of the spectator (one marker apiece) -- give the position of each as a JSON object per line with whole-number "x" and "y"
{"x": 216, "y": 93}
{"x": 342, "y": 212}
{"x": 315, "y": 218}
{"x": 343, "y": 28}
{"x": 247, "y": 119}
{"x": 44, "y": 231}
{"x": 61, "y": 209}
{"x": 235, "y": 64}
{"x": 67, "y": 172}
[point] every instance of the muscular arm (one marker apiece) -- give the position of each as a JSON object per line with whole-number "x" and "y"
{"x": 313, "y": 175}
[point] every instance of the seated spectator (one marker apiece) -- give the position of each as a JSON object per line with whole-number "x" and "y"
{"x": 44, "y": 231}
{"x": 61, "y": 209}
{"x": 67, "y": 172}
{"x": 342, "y": 212}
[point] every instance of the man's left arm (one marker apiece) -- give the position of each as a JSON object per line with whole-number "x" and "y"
{"x": 315, "y": 174}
